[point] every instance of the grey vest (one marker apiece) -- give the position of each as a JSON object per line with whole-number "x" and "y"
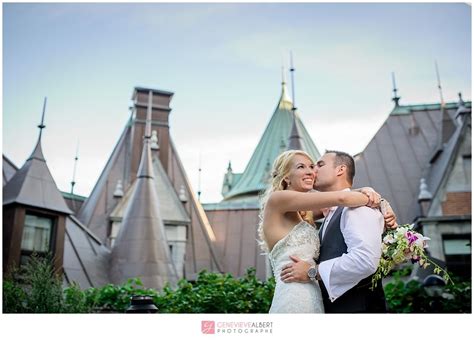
{"x": 358, "y": 299}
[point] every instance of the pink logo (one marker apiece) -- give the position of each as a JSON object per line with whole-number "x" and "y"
{"x": 208, "y": 327}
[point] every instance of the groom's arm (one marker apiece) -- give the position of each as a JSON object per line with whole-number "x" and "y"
{"x": 362, "y": 229}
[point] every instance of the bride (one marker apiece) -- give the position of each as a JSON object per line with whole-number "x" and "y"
{"x": 287, "y": 226}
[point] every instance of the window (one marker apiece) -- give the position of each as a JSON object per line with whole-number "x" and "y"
{"x": 37, "y": 235}
{"x": 457, "y": 246}
{"x": 457, "y": 250}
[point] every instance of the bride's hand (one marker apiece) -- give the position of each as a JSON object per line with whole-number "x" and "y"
{"x": 388, "y": 214}
{"x": 374, "y": 197}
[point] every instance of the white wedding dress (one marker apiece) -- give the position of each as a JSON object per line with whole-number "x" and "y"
{"x": 302, "y": 241}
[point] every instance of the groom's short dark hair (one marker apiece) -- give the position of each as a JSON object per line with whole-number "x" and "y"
{"x": 343, "y": 158}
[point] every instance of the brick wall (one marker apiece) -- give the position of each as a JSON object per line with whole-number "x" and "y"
{"x": 457, "y": 203}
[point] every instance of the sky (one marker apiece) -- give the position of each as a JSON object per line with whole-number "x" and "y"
{"x": 223, "y": 63}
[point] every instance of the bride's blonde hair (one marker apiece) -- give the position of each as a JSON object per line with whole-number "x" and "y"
{"x": 281, "y": 169}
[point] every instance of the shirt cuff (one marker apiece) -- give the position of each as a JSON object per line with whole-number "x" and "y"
{"x": 325, "y": 272}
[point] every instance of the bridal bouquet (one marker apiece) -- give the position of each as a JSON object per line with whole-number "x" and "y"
{"x": 401, "y": 245}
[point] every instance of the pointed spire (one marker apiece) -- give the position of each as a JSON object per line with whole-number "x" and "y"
{"x": 145, "y": 170}
{"x": 447, "y": 125}
{"x": 295, "y": 140}
{"x": 229, "y": 176}
{"x": 285, "y": 100}
{"x": 395, "y": 97}
{"x": 439, "y": 84}
{"x": 38, "y": 150}
{"x": 41, "y": 126}
{"x": 199, "y": 179}
{"x": 33, "y": 184}
{"x": 141, "y": 248}
{"x": 73, "y": 182}
{"x": 292, "y": 70}
{"x": 284, "y": 127}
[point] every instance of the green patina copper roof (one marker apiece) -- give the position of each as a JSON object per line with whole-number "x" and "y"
{"x": 68, "y": 195}
{"x": 401, "y": 110}
{"x": 274, "y": 141}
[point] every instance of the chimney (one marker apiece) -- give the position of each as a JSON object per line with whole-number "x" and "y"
{"x": 160, "y": 123}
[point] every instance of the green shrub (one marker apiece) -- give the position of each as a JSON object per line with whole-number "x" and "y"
{"x": 218, "y": 293}
{"x": 35, "y": 288}
{"x": 14, "y": 297}
{"x": 410, "y": 297}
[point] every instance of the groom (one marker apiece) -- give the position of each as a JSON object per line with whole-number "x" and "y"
{"x": 350, "y": 248}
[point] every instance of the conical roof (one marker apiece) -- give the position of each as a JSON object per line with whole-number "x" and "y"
{"x": 34, "y": 185}
{"x": 254, "y": 179}
{"x": 295, "y": 142}
{"x": 141, "y": 248}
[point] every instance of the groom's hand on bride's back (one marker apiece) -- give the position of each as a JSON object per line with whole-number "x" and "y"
{"x": 297, "y": 271}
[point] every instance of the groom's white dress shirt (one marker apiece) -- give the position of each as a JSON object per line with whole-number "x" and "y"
{"x": 362, "y": 229}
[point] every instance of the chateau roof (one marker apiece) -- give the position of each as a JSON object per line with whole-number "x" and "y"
{"x": 141, "y": 248}
{"x": 9, "y": 169}
{"x": 401, "y": 153}
{"x": 101, "y": 206}
{"x": 274, "y": 140}
{"x": 33, "y": 185}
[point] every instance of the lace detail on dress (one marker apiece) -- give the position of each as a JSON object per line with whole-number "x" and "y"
{"x": 301, "y": 234}
{"x": 302, "y": 241}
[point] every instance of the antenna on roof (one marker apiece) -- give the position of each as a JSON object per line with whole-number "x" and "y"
{"x": 41, "y": 126}
{"x": 395, "y": 98}
{"x": 439, "y": 84}
{"x": 294, "y": 141}
{"x": 283, "y": 78}
{"x": 199, "y": 178}
{"x": 292, "y": 70}
{"x": 73, "y": 182}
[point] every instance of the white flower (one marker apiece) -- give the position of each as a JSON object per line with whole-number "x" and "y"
{"x": 389, "y": 239}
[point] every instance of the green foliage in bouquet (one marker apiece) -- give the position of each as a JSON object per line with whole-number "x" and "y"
{"x": 401, "y": 245}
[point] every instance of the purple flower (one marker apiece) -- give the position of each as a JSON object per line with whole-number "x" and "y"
{"x": 411, "y": 238}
